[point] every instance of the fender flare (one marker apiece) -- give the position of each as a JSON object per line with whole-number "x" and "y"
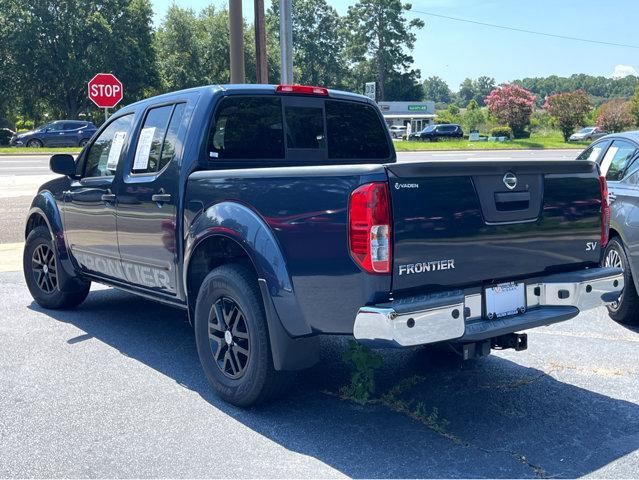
{"x": 45, "y": 206}
{"x": 242, "y": 225}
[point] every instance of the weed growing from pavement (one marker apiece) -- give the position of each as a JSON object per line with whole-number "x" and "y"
{"x": 362, "y": 387}
{"x": 365, "y": 363}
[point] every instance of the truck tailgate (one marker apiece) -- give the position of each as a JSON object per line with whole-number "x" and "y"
{"x": 462, "y": 223}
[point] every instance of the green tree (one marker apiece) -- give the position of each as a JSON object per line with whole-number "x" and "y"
{"x": 569, "y": 110}
{"x": 318, "y": 43}
{"x": 634, "y": 105}
{"x": 473, "y": 117}
{"x": 466, "y": 91}
{"x": 437, "y": 90}
{"x": 482, "y": 88}
{"x": 381, "y": 35}
{"x": 59, "y": 46}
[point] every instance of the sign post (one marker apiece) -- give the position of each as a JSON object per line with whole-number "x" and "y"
{"x": 106, "y": 91}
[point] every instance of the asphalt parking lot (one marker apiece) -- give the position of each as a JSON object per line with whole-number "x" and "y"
{"x": 115, "y": 389}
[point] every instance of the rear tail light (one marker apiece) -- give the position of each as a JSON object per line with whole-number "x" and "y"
{"x": 605, "y": 211}
{"x": 304, "y": 89}
{"x": 369, "y": 227}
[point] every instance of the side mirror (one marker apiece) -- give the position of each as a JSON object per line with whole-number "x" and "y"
{"x": 62, "y": 163}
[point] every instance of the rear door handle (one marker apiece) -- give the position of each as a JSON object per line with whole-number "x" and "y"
{"x": 611, "y": 197}
{"x": 108, "y": 197}
{"x": 161, "y": 197}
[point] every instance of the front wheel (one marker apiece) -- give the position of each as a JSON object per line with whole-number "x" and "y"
{"x": 34, "y": 143}
{"x": 232, "y": 338}
{"x": 42, "y": 273}
{"x": 626, "y": 308}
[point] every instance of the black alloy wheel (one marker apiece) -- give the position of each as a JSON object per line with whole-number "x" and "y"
{"x": 230, "y": 338}
{"x": 44, "y": 268}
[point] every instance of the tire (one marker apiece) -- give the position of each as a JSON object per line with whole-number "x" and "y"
{"x": 41, "y": 273}
{"x": 236, "y": 358}
{"x": 626, "y": 309}
{"x": 34, "y": 143}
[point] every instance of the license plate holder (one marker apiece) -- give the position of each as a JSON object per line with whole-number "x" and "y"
{"x": 505, "y": 299}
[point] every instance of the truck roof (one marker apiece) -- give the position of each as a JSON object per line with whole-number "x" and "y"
{"x": 239, "y": 88}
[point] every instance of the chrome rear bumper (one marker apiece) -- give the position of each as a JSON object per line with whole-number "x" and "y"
{"x": 458, "y": 315}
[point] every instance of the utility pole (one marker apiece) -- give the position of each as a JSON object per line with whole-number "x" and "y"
{"x": 286, "y": 41}
{"x": 261, "y": 66}
{"x": 237, "y": 41}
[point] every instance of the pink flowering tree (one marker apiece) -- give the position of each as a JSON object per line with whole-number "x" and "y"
{"x": 615, "y": 116}
{"x": 512, "y": 105}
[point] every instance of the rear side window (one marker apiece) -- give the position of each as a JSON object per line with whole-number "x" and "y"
{"x": 354, "y": 131}
{"x": 594, "y": 152}
{"x": 248, "y": 128}
{"x": 105, "y": 152}
{"x": 157, "y": 139}
{"x": 616, "y": 160}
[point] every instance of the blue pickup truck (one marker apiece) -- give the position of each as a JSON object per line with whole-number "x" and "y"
{"x": 273, "y": 214}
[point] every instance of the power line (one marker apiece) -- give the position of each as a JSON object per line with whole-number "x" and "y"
{"x": 514, "y": 29}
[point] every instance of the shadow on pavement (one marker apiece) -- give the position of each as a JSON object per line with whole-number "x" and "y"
{"x": 509, "y": 418}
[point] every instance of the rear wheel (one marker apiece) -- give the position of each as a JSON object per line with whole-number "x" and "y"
{"x": 233, "y": 340}
{"x": 42, "y": 273}
{"x": 34, "y": 143}
{"x": 626, "y": 308}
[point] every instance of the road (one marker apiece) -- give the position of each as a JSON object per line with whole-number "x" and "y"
{"x": 20, "y": 177}
{"x": 114, "y": 389}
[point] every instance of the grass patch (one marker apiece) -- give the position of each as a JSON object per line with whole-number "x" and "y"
{"x": 536, "y": 141}
{"x": 41, "y": 151}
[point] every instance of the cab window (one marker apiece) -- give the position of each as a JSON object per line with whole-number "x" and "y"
{"x": 104, "y": 154}
{"x": 157, "y": 139}
{"x": 248, "y": 128}
{"x": 616, "y": 159}
{"x": 355, "y": 131}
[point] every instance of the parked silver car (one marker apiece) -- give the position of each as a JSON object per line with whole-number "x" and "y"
{"x": 618, "y": 158}
{"x": 587, "y": 133}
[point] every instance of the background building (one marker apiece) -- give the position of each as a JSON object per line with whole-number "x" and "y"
{"x": 419, "y": 114}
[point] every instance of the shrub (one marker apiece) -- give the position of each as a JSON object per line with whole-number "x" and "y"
{"x": 24, "y": 124}
{"x": 512, "y": 105}
{"x": 501, "y": 132}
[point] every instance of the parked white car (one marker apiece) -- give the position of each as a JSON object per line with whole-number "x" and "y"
{"x": 587, "y": 133}
{"x": 397, "y": 131}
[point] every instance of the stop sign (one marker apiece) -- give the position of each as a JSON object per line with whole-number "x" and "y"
{"x": 105, "y": 90}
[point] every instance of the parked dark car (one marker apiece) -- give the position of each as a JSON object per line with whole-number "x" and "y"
{"x": 61, "y": 133}
{"x": 435, "y": 132}
{"x": 618, "y": 158}
{"x": 273, "y": 214}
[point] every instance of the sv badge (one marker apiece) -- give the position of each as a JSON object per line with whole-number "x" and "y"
{"x": 591, "y": 246}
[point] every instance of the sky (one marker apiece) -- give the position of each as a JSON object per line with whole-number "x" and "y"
{"x": 455, "y": 50}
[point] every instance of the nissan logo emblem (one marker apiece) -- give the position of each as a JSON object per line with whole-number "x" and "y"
{"x": 510, "y": 180}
